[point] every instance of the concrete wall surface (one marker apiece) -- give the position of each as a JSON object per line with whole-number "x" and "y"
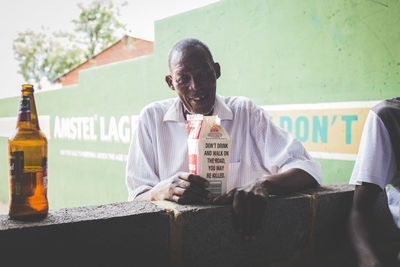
{"x": 304, "y": 229}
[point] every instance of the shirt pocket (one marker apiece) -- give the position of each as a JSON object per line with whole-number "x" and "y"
{"x": 233, "y": 176}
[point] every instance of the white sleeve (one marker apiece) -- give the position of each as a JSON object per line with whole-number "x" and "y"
{"x": 281, "y": 150}
{"x": 375, "y": 161}
{"x": 141, "y": 168}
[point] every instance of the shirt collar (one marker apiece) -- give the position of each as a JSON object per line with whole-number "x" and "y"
{"x": 175, "y": 113}
{"x": 221, "y": 109}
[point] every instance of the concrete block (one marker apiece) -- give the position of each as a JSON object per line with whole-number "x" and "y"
{"x": 204, "y": 236}
{"x": 120, "y": 234}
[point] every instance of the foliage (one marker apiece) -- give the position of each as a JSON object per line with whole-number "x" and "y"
{"x": 45, "y": 56}
{"x": 42, "y": 57}
{"x": 98, "y": 24}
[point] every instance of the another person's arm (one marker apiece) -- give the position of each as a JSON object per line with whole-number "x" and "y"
{"x": 360, "y": 229}
{"x": 373, "y": 170}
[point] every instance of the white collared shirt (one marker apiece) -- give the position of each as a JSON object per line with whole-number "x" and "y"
{"x": 376, "y": 162}
{"x": 258, "y": 147}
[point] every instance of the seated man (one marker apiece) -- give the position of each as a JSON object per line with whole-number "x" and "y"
{"x": 264, "y": 159}
{"x": 376, "y": 169}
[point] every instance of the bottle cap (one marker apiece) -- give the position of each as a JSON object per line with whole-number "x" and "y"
{"x": 27, "y": 87}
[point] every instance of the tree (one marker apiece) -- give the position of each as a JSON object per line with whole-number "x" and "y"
{"x": 98, "y": 24}
{"x": 42, "y": 57}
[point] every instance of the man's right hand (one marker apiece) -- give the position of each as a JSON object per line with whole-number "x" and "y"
{"x": 182, "y": 188}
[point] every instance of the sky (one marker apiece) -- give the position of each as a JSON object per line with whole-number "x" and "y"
{"x": 55, "y": 15}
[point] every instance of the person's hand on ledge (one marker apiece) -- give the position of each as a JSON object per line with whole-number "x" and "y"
{"x": 182, "y": 188}
{"x": 248, "y": 207}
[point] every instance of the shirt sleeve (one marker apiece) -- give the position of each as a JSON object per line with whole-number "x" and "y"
{"x": 375, "y": 161}
{"x": 141, "y": 168}
{"x": 281, "y": 151}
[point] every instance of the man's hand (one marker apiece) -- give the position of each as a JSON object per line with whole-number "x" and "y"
{"x": 248, "y": 208}
{"x": 182, "y": 188}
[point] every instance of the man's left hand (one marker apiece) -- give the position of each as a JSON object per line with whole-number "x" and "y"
{"x": 248, "y": 208}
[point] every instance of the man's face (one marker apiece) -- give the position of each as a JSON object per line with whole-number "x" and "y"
{"x": 194, "y": 78}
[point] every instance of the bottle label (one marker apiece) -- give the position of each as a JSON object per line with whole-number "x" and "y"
{"x": 44, "y": 165}
{"x": 16, "y": 171}
{"x": 24, "y": 113}
{"x": 16, "y": 164}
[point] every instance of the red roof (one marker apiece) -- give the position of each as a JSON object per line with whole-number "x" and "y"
{"x": 127, "y": 47}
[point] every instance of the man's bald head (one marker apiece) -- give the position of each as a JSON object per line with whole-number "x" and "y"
{"x": 188, "y": 43}
{"x": 193, "y": 76}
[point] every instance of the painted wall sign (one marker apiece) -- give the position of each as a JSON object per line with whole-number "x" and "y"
{"x": 327, "y": 130}
{"x": 96, "y": 128}
{"x": 110, "y": 129}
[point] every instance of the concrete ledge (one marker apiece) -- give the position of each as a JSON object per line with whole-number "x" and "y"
{"x": 304, "y": 229}
{"x": 110, "y": 235}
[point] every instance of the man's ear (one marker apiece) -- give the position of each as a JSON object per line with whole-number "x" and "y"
{"x": 168, "y": 79}
{"x": 217, "y": 69}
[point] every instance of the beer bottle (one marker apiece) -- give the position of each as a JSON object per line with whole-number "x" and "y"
{"x": 27, "y": 157}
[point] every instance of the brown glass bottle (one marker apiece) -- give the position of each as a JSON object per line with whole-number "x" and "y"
{"x": 27, "y": 157}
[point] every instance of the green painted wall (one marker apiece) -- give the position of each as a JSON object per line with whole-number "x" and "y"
{"x": 275, "y": 52}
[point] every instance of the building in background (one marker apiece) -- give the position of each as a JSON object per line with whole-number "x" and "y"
{"x": 127, "y": 47}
